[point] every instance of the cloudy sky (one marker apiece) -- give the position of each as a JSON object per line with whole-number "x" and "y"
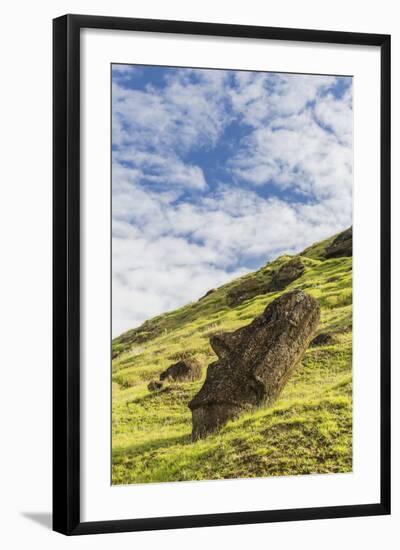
{"x": 215, "y": 173}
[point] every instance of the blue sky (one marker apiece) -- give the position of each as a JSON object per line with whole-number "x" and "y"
{"x": 215, "y": 172}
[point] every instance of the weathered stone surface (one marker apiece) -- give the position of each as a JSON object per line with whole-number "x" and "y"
{"x": 254, "y": 362}
{"x": 185, "y": 371}
{"x": 342, "y": 245}
{"x": 155, "y": 385}
{"x": 322, "y": 339}
{"x": 289, "y": 272}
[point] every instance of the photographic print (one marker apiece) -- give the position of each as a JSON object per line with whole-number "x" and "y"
{"x": 231, "y": 274}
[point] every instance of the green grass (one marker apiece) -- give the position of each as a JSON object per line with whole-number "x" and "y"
{"x": 308, "y": 430}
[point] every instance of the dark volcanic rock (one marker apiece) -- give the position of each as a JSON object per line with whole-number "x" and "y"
{"x": 289, "y": 272}
{"x": 211, "y": 291}
{"x": 184, "y": 371}
{"x": 341, "y": 246}
{"x": 247, "y": 289}
{"x": 155, "y": 385}
{"x": 322, "y": 339}
{"x": 254, "y": 362}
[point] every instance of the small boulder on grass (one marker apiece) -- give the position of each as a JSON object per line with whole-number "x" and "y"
{"x": 155, "y": 385}
{"x": 322, "y": 339}
{"x": 185, "y": 370}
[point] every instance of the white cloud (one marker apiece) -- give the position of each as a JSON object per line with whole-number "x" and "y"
{"x": 296, "y": 152}
{"x": 259, "y": 96}
{"x": 168, "y": 170}
{"x": 182, "y": 114}
{"x": 337, "y": 115}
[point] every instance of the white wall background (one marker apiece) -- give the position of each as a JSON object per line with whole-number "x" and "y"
{"x": 25, "y": 274}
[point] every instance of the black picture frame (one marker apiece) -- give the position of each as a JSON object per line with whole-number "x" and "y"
{"x": 66, "y": 273}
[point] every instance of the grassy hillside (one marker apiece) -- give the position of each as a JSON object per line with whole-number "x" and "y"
{"x": 308, "y": 430}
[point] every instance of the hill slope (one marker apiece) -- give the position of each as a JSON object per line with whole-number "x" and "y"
{"x": 308, "y": 430}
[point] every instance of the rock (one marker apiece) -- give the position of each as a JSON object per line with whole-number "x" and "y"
{"x": 185, "y": 370}
{"x": 322, "y": 339}
{"x": 211, "y": 291}
{"x": 332, "y": 279}
{"x": 254, "y": 362}
{"x": 247, "y": 289}
{"x": 341, "y": 246}
{"x": 155, "y": 385}
{"x": 289, "y": 272}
